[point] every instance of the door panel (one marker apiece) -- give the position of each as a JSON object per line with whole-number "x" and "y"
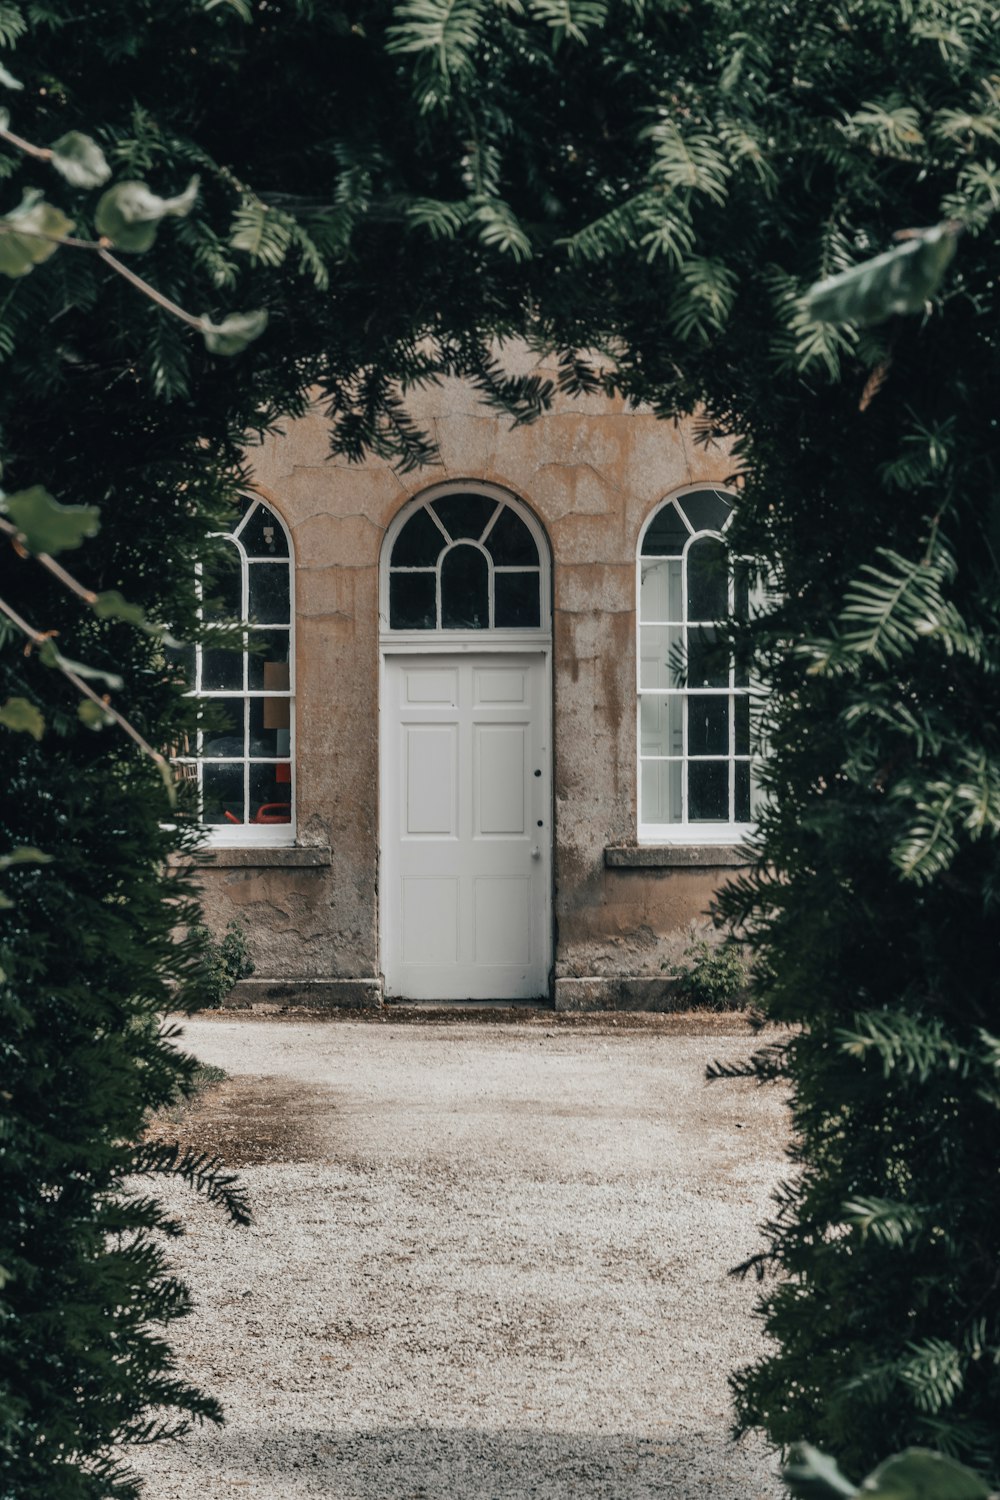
{"x": 466, "y": 827}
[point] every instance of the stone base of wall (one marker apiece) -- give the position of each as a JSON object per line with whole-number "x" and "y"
{"x": 315, "y": 994}
{"x": 616, "y": 992}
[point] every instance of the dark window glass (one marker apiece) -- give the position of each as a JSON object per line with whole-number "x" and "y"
{"x": 465, "y": 600}
{"x": 708, "y": 791}
{"x": 742, "y": 791}
{"x": 516, "y": 600}
{"x": 221, "y": 669}
{"x": 464, "y": 515}
{"x": 269, "y": 722}
{"x": 222, "y": 794}
{"x": 708, "y": 725}
{"x": 269, "y": 597}
{"x": 181, "y": 658}
{"x": 666, "y": 535}
{"x": 267, "y": 660}
{"x": 510, "y": 543}
{"x": 708, "y": 659}
{"x": 221, "y": 723}
{"x": 412, "y": 599}
{"x": 418, "y": 544}
{"x": 708, "y": 580}
{"x": 741, "y": 590}
{"x": 707, "y": 510}
{"x": 270, "y": 794}
{"x": 222, "y": 586}
{"x": 742, "y": 727}
{"x": 263, "y": 535}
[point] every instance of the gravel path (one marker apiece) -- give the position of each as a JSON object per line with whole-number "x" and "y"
{"x": 488, "y": 1261}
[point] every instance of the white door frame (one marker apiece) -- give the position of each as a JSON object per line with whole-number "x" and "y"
{"x": 431, "y": 643}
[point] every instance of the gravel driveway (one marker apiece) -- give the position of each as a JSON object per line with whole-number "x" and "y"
{"x": 488, "y": 1261}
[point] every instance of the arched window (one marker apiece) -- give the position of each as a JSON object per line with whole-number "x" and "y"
{"x": 696, "y": 782}
{"x": 243, "y": 750}
{"x": 466, "y": 560}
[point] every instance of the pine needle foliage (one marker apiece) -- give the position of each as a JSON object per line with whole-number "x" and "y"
{"x": 406, "y": 187}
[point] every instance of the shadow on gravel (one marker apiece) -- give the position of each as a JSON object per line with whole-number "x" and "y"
{"x": 251, "y": 1121}
{"x": 441, "y": 1463}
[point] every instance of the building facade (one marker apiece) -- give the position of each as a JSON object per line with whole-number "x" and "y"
{"x": 481, "y": 743}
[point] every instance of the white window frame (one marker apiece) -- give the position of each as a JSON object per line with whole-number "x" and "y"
{"x": 488, "y": 638}
{"x": 684, "y": 832}
{"x": 250, "y": 835}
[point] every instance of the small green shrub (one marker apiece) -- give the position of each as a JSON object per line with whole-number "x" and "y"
{"x": 226, "y": 960}
{"x": 715, "y": 977}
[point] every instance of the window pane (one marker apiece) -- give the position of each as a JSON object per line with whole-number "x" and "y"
{"x": 263, "y": 535}
{"x": 466, "y": 515}
{"x": 267, "y": 661}
{"x": 269, "y": 594}
{"x": 660, "y": 591}
{"x": 418, "y": 544}
{"x": 666, "y": 535}
{"x": 741, "y": 710}
{"x": 708, "y": 581}
{"x": 707, "y": 510}
{"x": 270, "y": 794}
{"x": 222, "y": 794}
{"x": 708, "y": 659}
{"x": 412, "y": 601}
{"x": 708, "y": 791}
{"x": 516, "y": 600}
{"x": 660, "y": 791}
{"x": 742, "y": 791}
{"x": 222, "y": 585}
{"x": 741, "y": 590}
{"x": 181, "y": 659}
{"x": 708, "y": 725}
{"x": 221, "y": 720}
{"x": 661, "y": 656}
{"x": 270, "y": 719}
{"x": 510, "y": 543}
{"x": 221, "y": 669}
{"x": 465, "y": 603}
{"x": 661, "y": 725}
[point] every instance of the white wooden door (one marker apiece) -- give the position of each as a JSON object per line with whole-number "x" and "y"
{"x": 466, "y": 827}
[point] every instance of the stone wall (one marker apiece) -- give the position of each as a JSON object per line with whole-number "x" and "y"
{"x": 592, "y": 472}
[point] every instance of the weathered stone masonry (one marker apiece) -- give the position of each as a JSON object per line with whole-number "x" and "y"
{"x": 591, "y": 472}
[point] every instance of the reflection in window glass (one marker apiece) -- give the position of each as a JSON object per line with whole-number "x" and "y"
{"x": 465, "y": 562}
{"x": 695, "y": 766}
{"x": 241, "y": 754}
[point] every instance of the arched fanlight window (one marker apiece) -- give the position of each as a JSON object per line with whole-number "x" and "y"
{"x": 243, "y": 750}
{"x": 465, "y": 561}
{"x": 696, "y": 780}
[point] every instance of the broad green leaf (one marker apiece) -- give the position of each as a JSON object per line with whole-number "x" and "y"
{"x": 51, "y": 656}
{"x": 4, "y": 119}
{"x": 234, "y": 333}
{"x": 811, "y": 1475}
{"x": 30, "y": 233}
{"x": 5, "y": 1275}
{"x": 93, "y": 715}
{"x": 921, "y": 1474}
{"x": 44, "y": 525}
{"x": 900, "y": 281}
{"x": 25, "y": 854}
{"x": 111, "y": 605}
{"x": 128, "y": 213}
{"x": 80, "y": 160}
{"x": 8, "y": 80}
{"x": 20, "y": 714}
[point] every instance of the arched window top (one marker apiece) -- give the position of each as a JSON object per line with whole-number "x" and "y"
{"x": 677, "y": 522}
{"x": 241, "y": 755}
{"x": 465, "y": 560}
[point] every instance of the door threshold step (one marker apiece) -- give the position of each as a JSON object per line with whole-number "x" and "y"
{"x": 449, "y": 1005}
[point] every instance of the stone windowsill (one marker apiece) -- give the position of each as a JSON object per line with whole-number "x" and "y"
{"x": 275, "y": 857}
{"x": 673, "y": 856}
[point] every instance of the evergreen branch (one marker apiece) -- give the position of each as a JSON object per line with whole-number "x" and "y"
{"x": 200, "y": 1170}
